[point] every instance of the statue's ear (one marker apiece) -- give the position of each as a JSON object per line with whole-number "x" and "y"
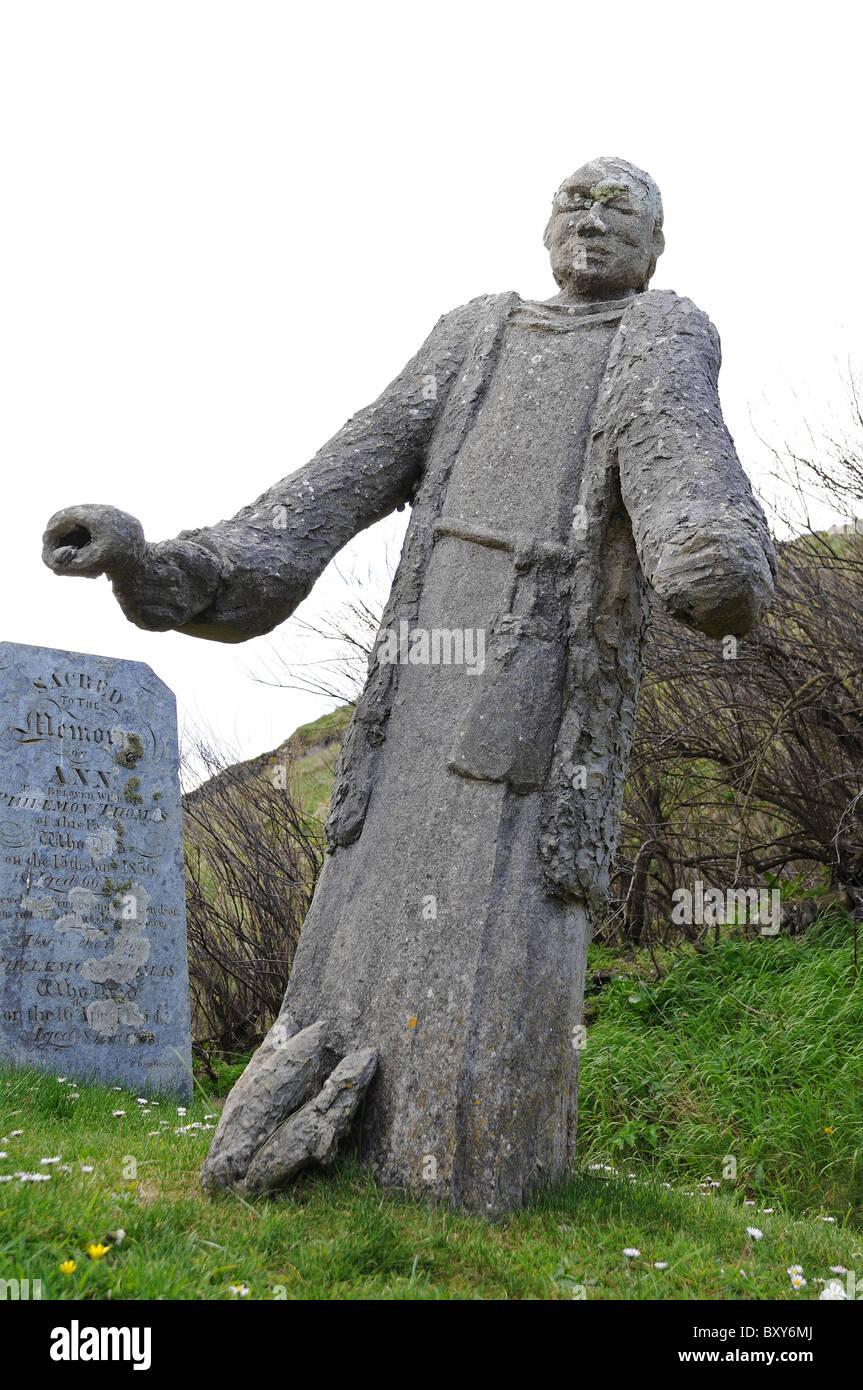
{"x": 658, "y": 241}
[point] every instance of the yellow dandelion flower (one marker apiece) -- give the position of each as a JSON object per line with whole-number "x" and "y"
{"x": 68, "y": 1267}
{"x": 828, "y": 1129}
{"x": 97, "y": 1251}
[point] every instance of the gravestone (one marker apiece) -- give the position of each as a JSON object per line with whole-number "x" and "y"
{"x": 93, "y": 970}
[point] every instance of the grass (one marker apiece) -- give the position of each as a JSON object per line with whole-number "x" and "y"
{"x": 751, "y": 1051}
{"x": 339, "y": 1237}
{"x": 744, "y": 1063}
{"x": 311, "y": 751}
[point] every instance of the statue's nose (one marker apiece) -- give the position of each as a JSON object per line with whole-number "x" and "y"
{"x": 591, "y": 224}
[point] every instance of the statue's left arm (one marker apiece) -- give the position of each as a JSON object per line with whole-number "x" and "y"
{"x": 701, "y": 536}
{"x": 703, "y": 545}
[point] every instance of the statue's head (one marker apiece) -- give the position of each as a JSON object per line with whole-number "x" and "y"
{"x": 605, "y": 231}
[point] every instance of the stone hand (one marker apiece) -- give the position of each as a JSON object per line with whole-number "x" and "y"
{"x": 90, "y": 540}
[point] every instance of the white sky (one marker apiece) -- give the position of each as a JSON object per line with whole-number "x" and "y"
{"x": 227, "y": 226}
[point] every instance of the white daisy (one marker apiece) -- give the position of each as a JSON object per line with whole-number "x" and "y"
{"x": 833, "y": 1290}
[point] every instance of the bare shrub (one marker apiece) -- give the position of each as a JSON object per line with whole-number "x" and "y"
{"x": 747, "y": 766}
{"x": 252, "y": 857}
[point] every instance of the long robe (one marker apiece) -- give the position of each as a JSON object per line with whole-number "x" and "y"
{"x": 559, "y": 458}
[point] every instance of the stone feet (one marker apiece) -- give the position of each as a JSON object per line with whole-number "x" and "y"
{"x": 282, "y": 1115}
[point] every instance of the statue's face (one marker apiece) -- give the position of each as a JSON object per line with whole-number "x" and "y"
{"x": 603, "y": 236}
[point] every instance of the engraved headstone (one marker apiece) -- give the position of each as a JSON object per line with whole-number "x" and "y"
{"x": 93, "y": 969}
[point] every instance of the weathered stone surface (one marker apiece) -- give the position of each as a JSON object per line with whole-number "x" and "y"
{"x": 93, "y": 973}
{"x": 314, "y": 1134}
{"x": 285, "y": 1071}
{"x": 273, "y": 1123}
{"x": 562, "y": 459}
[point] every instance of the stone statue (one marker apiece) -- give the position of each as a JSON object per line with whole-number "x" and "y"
{"x": 562, "y": 458}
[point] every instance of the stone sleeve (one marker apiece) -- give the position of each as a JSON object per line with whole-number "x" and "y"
{"x": 242, "y": 577}
{"x": 701, "y": 536}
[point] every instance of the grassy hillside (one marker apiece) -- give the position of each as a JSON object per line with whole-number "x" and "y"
{"x": 750, "y": 1051}
{"x": 746, "y": 1057}
{"x": 124, "y": 1188}
{"x": 310, "y": 752}
{"x": 721, "y": 1109}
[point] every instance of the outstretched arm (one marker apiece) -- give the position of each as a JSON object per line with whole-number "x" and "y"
{"x": 701, "y": 536}
{"x": 241, "y": 578}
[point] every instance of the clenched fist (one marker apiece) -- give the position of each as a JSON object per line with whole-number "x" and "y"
{"x": 90, "y": 540}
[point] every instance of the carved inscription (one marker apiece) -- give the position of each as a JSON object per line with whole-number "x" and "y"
{"x": 93, "y": 973}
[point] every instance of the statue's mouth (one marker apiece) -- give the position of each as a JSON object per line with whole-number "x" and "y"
{"x": 586, "y": 254}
